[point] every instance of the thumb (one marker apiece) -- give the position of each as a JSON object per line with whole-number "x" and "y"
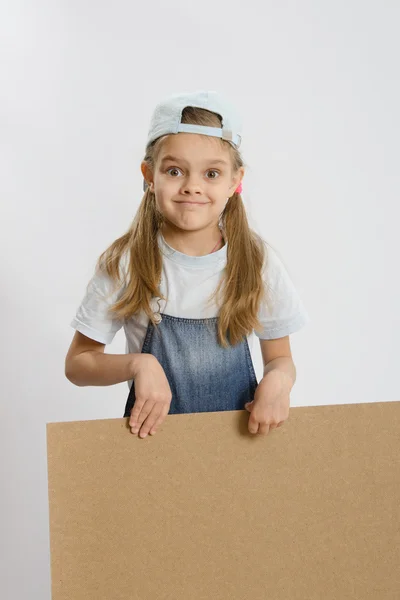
{"x": 249, "y": 405}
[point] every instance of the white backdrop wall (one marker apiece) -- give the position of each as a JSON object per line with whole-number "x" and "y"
{"x": 318, "y": 87}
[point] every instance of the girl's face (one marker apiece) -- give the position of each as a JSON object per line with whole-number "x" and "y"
{"x": 192, "y": 181}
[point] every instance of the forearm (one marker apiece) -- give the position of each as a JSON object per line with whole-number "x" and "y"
{"x": 98, "y": 368}
{"x": 285, "y": 366}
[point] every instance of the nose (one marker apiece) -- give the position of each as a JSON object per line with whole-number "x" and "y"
{"x": 191, "y": 186}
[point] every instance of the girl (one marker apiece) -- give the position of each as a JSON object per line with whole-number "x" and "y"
{"x": 190, "y": 282}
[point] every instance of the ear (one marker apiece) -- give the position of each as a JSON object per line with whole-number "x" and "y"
{"x": 147, "y": 173}
{"x": 236, "y": 180}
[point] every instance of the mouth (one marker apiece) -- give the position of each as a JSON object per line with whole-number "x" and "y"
{"x": 188, "y": 203}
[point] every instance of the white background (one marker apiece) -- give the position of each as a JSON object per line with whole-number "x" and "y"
{"x": 317, "y": 83}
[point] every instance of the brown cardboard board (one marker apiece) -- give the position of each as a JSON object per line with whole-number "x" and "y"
{"x": 204, "y": 510}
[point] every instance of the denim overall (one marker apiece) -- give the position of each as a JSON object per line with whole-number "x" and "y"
{"x": 203, "y": 376}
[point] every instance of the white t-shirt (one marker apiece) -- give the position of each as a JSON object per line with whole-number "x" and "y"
{"x": 187, "y": 282}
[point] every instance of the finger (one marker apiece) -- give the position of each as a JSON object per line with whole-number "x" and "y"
{"x": 150, "y": 421}
{"x": 264, "y": 428}
{"x": 146, "y": 410}
{"x": 159, "y": 422}
{"x": 253, "y": 424}
{"x": 135, "y": 412}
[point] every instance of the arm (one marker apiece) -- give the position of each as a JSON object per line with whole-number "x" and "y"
{"x": 270, "y": 407}
{"x": 87, "y": 364}
{"x": 277, "y": 356}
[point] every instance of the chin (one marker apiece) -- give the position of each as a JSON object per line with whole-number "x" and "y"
{"x": 176, "y": 225}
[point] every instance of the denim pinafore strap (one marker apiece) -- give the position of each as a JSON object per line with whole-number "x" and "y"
{"x": 203, "y": 376}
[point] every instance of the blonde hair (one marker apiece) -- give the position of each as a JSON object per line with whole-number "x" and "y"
{"x": 244, "y": 287}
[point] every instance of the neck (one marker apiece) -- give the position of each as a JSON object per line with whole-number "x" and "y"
{"x": 194, "y": 243}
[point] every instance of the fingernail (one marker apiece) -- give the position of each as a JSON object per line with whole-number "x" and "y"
{"x": 134, "y": 430}
{"x": 143, "y": 435}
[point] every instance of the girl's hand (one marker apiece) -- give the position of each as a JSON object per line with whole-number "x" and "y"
{"x": 270, "y": 407}
{"x": 153, "y": 397}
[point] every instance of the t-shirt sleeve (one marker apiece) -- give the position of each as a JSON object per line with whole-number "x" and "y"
{"x": 284, "y": 313}
{"x": 92, "y": 317}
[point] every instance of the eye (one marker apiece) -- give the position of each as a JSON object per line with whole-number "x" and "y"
{"x": 209, "y": 171}
{"x": 172, "y": 169}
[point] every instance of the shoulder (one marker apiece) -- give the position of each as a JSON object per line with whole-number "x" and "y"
{"x": 106, "y": 282}
{"x": 283, "y": 310}
{"x": 274, "y": 266}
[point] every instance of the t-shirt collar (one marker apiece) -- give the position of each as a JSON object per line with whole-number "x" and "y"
{"x": 208, "y": 260}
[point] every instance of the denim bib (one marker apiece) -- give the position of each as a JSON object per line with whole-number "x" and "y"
{"x": 203, "y": 376}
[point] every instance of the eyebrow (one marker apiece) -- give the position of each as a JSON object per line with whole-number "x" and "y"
{"x": 208, "y": 160}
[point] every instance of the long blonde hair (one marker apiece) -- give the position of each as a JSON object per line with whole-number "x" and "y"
{"x": 244, "y": 288}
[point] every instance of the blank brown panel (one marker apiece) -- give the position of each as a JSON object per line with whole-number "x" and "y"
{"x": 205, "y": 511}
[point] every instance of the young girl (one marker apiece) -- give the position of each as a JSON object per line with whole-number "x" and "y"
{"x": 190, "y": 282}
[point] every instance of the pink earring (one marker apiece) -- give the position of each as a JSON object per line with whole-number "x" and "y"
{"x": 239, "y": 188}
